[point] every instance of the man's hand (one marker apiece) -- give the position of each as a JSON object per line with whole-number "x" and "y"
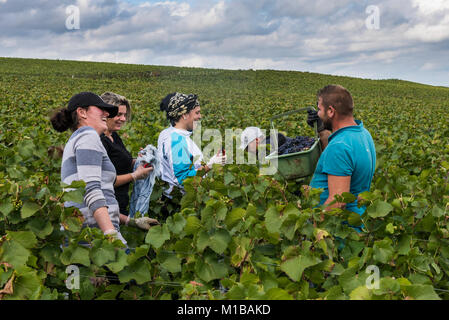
{"x": 143, "y": 223}
{"x": 312, "y": 117}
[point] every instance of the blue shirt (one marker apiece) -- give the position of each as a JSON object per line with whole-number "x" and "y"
{"x": 350, "y": 152}
{"x": 180, "y": 157}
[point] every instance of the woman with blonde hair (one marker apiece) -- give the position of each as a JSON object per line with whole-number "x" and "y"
{"x": 120, "y": 156}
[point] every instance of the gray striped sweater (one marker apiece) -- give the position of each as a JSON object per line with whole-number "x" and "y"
{"x": 85, "y": 158}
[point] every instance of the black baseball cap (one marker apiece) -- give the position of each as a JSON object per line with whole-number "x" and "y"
{"x": 86, "y": 99}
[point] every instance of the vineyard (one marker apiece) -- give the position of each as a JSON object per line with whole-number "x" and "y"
{"x": 238, "y": 234}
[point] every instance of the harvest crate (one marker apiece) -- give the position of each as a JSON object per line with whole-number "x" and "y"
{"x": 296, "y": 165}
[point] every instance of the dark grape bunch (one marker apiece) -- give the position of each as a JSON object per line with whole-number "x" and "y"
{"x": 292, "y": 145}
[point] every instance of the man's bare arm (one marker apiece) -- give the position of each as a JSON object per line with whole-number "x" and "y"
{"x": 337, "y": 185}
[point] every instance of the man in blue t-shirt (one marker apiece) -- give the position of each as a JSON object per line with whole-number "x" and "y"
{"x": 348, "y": 162}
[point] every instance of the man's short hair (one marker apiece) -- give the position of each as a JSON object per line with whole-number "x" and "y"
{"x": 337, "y": 97}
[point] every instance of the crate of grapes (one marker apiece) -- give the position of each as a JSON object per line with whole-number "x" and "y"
{"x": 297, "y": 157}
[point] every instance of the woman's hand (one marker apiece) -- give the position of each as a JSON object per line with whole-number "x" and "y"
{"x": 142, "y": 172}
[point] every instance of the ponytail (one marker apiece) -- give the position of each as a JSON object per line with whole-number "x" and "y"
{"x": 63, "y": 119}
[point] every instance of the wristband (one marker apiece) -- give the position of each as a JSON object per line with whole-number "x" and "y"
{"x": 133, "y": 176}
{"x": 127, "y": 220}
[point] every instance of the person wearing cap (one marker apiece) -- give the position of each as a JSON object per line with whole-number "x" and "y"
{"x": 252, "y": 137}
{"x": 85, "y": 158}
{"x": 119, "y": 155}
{"x": 180, "y": 156}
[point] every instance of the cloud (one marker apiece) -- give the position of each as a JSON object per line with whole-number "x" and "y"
{"x": 323, "y": 36}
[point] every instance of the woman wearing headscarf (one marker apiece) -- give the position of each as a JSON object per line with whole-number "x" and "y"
{"x": 180, "y": 156}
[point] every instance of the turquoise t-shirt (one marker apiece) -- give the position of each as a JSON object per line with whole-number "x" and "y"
{"x": 350, "y": 152}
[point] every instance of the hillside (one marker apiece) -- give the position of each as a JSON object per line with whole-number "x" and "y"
{"x": 239, "y": 234}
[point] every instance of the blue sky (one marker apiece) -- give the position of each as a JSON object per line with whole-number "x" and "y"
{"x": 410, "y": 42}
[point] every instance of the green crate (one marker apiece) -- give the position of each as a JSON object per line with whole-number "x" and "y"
{"x": 297, "y": 165}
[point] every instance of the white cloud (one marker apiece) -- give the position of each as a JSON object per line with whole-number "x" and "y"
{"x": 428, "y": 7}
{"x": 323, "y": 36}
{"x": 428, "y": 66}
{"x": 430, "y": 32}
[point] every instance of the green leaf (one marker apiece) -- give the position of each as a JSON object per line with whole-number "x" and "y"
{"x": 237, "y": 292}
{"x": 296, "y": 266}
{"x": 73, "y": 224}
{"x": 234, "y": 192}
{"x": 219, "y": 241}
{"x": 51, "y": 253}
{"x": 72, "y": 255}
{"x": 379, "y": 209}
{"x": 354, "y": 219}
{"x": 421, "y": 292}
{"x": 348, "y": 280}
{"x": 202, "y": 240}
{"x": 404, "y": 245}
{"x": 76, "y": 184}
{"x": 234, "y": 217}
{"x": 176, "y": 223}
{"x": 26, "y": 238}
{"x": 157, "y": 236}
{"x": 289, "y": 226}
{"x": 14, "y": 253}
{"x": 48, "y": 294}
{"x": 387, "y": 285}
{"x": 445, "y": 165}
{"x": 102, "y": 252}
{"x": 76, "y": 196}
{"x": 383, "y": 251}
{"x": 437, "y": 212}
{"x": 139, "y": 271}
{"x": 41, "y": 227}
{"x": 367, "y": 195}
{"x": 335, "y": 293}
{"x": 192, "y": 226}
{"x": 169, "y": 261}
{"x": 360, "y": 293}
{"x": 277, "y": 294}
{"x": 120, "y": 262}
{"x": 140, "y": 252}
{"x": 6, "y": 208}
{"x": 27, "y": 286}
{"x": 111, "y": 292}
{"x": 210, "y": 268}
{"x": 228, "y": 178}
{"x": 273, "y": 220}
{"x": 348, "y": 197}
{"x": 28, "y": 209}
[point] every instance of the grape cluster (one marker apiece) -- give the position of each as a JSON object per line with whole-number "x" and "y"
{"x": 292, "y": 145}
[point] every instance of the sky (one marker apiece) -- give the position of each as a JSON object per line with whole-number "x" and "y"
{"x": 375, "y": 39}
